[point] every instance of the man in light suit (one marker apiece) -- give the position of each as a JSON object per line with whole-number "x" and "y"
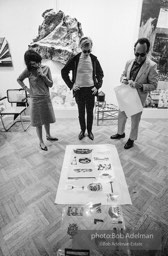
{"x": 141, "y": 74}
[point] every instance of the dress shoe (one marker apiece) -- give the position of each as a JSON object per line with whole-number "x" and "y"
{"x": 51, "y": 138}
{"x": 117, "y": 136}
{"x": 43, "y": 148}
{"x": 129, "y": 144}
{"x": 91, "y": 136}
{"x": 81, "y": 135}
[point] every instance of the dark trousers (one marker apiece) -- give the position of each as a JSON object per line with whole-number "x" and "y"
{"x": 85, "y": 101}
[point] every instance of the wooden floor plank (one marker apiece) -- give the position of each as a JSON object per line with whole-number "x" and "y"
{"x": 30, "y": 222}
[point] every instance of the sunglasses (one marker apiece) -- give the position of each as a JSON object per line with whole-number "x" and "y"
{"x": 86, "y": 51}
{"x": 140, "y": 54}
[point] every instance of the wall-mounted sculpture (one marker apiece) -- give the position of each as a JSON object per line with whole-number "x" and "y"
{"x": 5, "y": 56}
{"x": 58, "y": 36}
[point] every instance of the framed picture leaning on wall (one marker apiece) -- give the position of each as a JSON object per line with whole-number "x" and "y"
{"x": 5, "y": 56}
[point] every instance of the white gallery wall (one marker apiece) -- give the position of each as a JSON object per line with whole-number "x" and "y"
{"x": 113, "y": 25}
{"x": 19, "y": 21}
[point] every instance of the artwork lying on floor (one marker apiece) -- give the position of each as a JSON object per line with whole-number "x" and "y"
{"x": 5, "y": 56}
{"x": 58, "y": 36}
{"x": 154, "y": 26}
{"x": 92, "y": 173}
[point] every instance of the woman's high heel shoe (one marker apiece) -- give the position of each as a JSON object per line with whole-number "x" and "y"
{"x": 44, "y": 148}
{"x": 51, "y": 138}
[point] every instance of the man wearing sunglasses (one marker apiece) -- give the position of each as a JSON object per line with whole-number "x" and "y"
{"x": 87, "y": 78}
{"x": 140, "y": 74}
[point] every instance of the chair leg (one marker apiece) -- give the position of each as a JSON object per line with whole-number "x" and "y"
{"x": 3, "y": 124}
{"x": 14, "y": 122}
{"x": 22, "y": 123}
{"x": 98, "y": 116}
{"x": 7, "y": 128}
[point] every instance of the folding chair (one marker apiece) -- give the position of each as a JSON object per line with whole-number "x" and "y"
{"x": 76, "y": 252}
{"x": 18, "y": 104}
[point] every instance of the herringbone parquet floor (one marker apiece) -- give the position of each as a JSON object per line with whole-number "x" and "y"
{"x": 30, "y": 222}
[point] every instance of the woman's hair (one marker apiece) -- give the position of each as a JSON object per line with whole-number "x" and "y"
{"x": 31, "y": 55}
{"x": 85, "y": 42}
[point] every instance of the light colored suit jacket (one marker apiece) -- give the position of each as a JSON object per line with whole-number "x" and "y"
{"x": 147, "y": 76}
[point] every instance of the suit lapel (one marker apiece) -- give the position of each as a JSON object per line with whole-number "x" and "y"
{"x": 129, "y": 69}
{"x": 143, "y": 69}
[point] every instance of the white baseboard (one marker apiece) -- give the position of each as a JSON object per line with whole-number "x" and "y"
{"x": 160, "y": 113}
{"x": 66, "y": 112}
{"x": 147, "y": 113}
